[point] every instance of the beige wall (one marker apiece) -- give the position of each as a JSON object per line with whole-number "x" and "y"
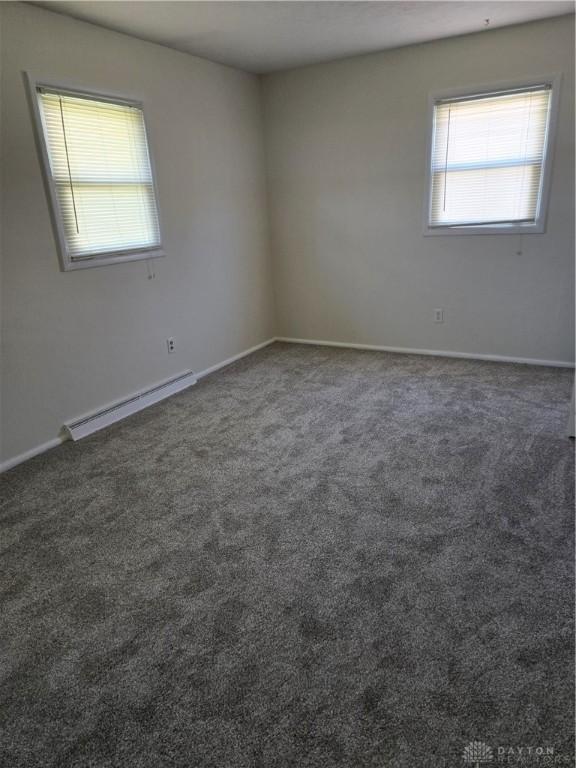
{"x": 78, "y": 340}
{"x": 346, "y": 145}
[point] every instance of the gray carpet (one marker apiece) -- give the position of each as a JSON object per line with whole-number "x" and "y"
{"x": 315, "y": 557}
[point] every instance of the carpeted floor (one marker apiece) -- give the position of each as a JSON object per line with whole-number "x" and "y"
{"x": 316, "y": 557}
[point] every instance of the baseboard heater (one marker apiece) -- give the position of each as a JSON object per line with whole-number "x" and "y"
{"x": 103, "y": 418}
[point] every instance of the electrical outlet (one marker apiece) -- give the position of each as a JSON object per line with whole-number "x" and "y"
{"x": 438, "y": 315}
{"x": 171, "y": 345}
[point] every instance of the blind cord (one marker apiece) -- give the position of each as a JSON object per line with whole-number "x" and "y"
{"x": 68, "y": 164}
{"x": 525, "y": 147}
{"x": 446, "y": 158}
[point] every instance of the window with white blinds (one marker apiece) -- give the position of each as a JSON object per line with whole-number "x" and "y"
{"x": 100, "y": 177}
{"x": 487, "y": 160}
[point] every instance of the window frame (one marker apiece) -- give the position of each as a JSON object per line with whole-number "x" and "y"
{"x": 101, "y": 259}
{"x": 511, "y": 228}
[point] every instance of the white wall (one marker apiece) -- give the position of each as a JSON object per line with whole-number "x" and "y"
{"x": 78, "y": 340}
{"x": 346, "y": 145}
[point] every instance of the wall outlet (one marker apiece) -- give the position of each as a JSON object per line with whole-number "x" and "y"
{"x": 438, "y": 315}
{"x": 171, "y": 345}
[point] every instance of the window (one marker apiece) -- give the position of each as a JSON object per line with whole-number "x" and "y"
{"x": 98, "y": 176}
{"x": 489, "y": 160}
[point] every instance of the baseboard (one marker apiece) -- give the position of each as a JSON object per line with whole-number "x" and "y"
{"x": 432, "y": 352}
{"x": 234, "y": 358}
{"x": 39, "y": 449}
{"x": 22, "y": 457}
{"x": 121, "y": 409}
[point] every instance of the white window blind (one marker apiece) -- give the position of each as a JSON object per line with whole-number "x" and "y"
{"x": 487, "y": 158}
{"x": 101, "y": 175}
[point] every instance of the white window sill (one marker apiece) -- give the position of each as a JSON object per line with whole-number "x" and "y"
{"x": 105, "y": 259}
{"x": 488, "y": 229}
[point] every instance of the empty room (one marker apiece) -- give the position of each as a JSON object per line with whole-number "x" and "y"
{"x": 287, "y": 384}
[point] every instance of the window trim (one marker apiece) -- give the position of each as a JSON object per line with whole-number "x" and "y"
{"x": 539, "y": 226}
{"x": 101, "y": 259}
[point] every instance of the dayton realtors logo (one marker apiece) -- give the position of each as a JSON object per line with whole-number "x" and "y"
{"x": 477, "y": 753}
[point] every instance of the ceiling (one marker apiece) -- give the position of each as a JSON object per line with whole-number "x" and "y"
{"x": 270, "y": 35}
